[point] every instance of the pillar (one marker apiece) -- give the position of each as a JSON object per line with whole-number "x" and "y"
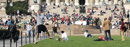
{"x": 39, "y": 1}
{"x": 106, "y": 1}
{"x": 124, "y": 1}
{"x": 91, "y": 2}
{"x": 115, "y": 1}
{"x": 31, "y": 2}
{"x": 48, "y": 2}
{"x": 67, "y": 2}
{"x": 96, "y": 2}
{"x": 57, "y": 2}
{"x": 86, "y": 2}
{"x": 76, "y": 2}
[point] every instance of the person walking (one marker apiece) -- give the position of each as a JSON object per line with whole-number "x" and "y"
{"x": 122, "y": 30}
{"x": 40, "y": 25}
{"x": 107, "y": 25}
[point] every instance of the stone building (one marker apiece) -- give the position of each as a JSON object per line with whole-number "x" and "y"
{"x": 77, "y": 2}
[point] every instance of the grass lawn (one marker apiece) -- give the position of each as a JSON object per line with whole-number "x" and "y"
{"x": 80, "y": 41}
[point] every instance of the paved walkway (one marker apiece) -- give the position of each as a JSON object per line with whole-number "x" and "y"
{"x": 24, "y": 40}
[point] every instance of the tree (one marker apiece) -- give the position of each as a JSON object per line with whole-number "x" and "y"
{"x": 22, "y": 6}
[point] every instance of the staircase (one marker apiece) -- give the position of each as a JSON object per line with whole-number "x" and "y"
{"x": 75, "y": 29}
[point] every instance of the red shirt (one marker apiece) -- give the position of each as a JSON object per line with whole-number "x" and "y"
{"x": 62, "y": 19}
{"x": 121, "y": 28}
{"x": 34, "y": 19}
{"x": 76, "y": 14}
{"x": 88, "y": 10}
{"x": 101, "y": 37}
{"x": 54, "y": 19}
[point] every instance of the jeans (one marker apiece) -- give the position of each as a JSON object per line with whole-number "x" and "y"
{"x": 29, "y": 33}
{"x": 68, "y": 27}
{"x": 34, "y": 33}
{"x": 108, "y": 34}
{"x": 89, "y": 35}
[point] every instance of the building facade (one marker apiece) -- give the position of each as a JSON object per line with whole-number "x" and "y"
{"x": 77, "y": 2}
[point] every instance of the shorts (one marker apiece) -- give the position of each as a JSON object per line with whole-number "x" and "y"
{"x": 41, "y": 28}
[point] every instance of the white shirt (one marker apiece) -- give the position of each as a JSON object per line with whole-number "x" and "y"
{"x": 29, "y": 27}
{"x": 85, "y": 34}
{"x": 64, "y": 35}
{"x": 40, "y": 19}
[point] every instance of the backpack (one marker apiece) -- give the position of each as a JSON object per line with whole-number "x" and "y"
{"x": 125, "y": 28}
{"x": 12, "y": 28}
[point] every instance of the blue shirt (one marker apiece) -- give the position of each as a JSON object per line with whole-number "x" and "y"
{"x": 9, "y": 23}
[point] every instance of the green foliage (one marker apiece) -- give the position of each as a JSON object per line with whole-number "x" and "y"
{"x": 22, "y": 6}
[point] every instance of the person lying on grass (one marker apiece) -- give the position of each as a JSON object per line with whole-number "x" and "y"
{"x": 101, "y": 38}
{"x": 63, "y": 36}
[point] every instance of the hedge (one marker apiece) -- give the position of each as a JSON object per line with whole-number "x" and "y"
{"x": 6, "y": 32}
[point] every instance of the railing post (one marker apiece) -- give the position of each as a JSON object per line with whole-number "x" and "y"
{"x": 25, "y": 38}
{"x": 3, "y": 40}
{"x": 33, "y": 36}
{"x": 21, "y": 39}
{"x": 29, "y": 37}
{"x": 11, "y": 40}
{"x": 16, "y": 43}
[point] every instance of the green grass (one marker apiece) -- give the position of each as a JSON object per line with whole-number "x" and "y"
{"x": 80, "y": 41}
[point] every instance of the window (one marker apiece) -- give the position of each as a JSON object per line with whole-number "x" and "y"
{"x": 128, "y": 1}
{"x": 35, "y": 1}
{"x": 119, "y": 0}
{"x": 109, "y": 0}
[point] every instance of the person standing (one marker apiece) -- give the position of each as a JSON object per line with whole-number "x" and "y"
{"x": 12, "y": 30}
{"x": 107, "y": 25}
{"x": 122, "y": 30}
{"x": 29, "y": 27}
{"x": 40, "y": 25}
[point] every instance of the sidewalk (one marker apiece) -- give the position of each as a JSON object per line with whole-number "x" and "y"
{"x": 7, "y": 41}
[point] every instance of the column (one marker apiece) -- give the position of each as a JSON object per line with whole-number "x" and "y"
{"x": 106, "y": 1}
{"x": 71, "y": 2}
{"x": 86, "y": 2}
{"x": 96, "y": 2}
{"x": 91, "y": 2}
{"x": 39, "y": 1}
{"x": 57, "y": 2}
{"x": 124, "y": 1}
{"x": 76, "y": 2}
{"x": 48, "y": 2}
{"x": 115, "y": 1}
{"x": 67, "y": 2}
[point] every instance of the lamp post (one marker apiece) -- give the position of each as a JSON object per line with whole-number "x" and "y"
{"x": 11, "y": 4}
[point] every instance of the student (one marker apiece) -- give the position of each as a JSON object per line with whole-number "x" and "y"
{"x": 40, "y": 27}
{"x": 107, "y": 25}
{"x": 122, "y": 29}
{"x": 12, "y": 30}
{"x": 29, "y": 27}
{"x": 86, "y": 34}
{"x": 100, "y": 38}
{"x": 63, "y": 36}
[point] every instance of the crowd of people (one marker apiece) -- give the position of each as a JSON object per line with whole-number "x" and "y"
{"x": 37, "y": 23}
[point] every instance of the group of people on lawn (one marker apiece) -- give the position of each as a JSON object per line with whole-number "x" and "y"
{"x": 106, "y": 25}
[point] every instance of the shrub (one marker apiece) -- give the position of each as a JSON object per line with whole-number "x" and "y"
{"x": 6, "y": 33}
{"x": 22, "y": 6}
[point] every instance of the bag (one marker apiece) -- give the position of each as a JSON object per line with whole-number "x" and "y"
{"x": 125, "y": 29}
{"x": 12, "y": 28}
{"x": 16, "y": 37}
